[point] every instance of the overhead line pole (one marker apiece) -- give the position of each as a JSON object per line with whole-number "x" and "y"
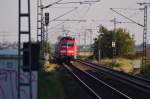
{"x": 114, "y": 40}
{"x": 144, "y": 56}
{"x": 145, "y": 36}
{"x": 99, "y": 46}
{"x": 40, "y": 28}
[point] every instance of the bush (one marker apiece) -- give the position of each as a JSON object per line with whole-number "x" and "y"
{"x": 124, "y": 65}
{"x": 131, "y": 56}
{"x": 146, "y": 68}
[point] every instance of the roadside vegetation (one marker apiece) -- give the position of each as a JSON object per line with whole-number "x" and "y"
{"x": 124, "y": 43}
{"x": 50, "y": 85}
{"x": 124, "y": 54}
{"x": 121, "y": 64}
{"x": 85, "y": 54}
{"x": 55, "y": 82}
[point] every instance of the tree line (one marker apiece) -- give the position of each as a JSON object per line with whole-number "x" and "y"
{"x": 124, "y": 43}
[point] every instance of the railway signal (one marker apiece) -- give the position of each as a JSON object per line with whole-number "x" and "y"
{"x": 46, "y": 19}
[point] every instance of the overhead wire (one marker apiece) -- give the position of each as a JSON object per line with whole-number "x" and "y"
{"x": 89, "y": 3}
{"x": 63, "y": 14}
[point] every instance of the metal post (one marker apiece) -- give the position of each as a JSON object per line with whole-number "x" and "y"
{"x": 26, "y": 33}
{"x": 99, "y": 49}
{"x": 30, "y": 70}
{"x": 84, "y": 42}
{"x": 42, "y": 32}
{"x": 79, "y": 44}
{"x": 46, "y": 33}
{"x": 114, "y": 41}
{"x": 91, "y": 36}
{"x": 19, "y": 47}
{"x": 144, "y": 38}
{"x": 39, "y": 21}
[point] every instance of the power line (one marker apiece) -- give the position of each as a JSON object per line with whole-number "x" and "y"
{"x": 63, "y": 14}
{"x": 58, "y": 2}
{"x": 57, "y": 25}
{"x": 81, "y": 2}
{"x": 126, "y": 8}
{"x": 71, "y": 20}
{"x": 127, "y": 17}
{"x": 51, "y": 4}
{"x": 60, "y": 7}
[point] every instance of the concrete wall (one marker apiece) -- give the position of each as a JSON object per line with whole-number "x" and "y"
{"x": 9, "y": 78}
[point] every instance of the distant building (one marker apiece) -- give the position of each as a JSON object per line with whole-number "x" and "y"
{"x": 8, "y": 59}
{"x": 9, "y": 76}
{"x": 139, "y": 48}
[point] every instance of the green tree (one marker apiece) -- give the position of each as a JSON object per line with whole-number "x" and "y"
{"x": 124, "y": 42}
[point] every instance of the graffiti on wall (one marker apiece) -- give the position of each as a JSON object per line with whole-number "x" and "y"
{"x": 8, "y": 84}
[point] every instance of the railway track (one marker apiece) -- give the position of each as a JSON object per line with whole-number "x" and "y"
{"x": 133, "y": 87}
{"x": 96, "y": 87}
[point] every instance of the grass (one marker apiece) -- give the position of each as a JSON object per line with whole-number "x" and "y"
{"x": 55, "y": 82}
{"x": 124, "y": 65}
{"x": 145, "y": 75}
{"x": 84, "y": 54}
{"x": 120, "y": 64}
{"x": 50, "y": 85}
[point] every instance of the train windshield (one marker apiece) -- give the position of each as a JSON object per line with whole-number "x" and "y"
{"x": 68, "y": 44}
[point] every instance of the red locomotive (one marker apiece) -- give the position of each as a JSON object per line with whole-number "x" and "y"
{"x": 66, "y": 49}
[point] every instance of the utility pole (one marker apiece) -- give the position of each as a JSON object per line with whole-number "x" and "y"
{"x": 144, "y": 56}
{"x": 114, "y": 41}
{"x": 46, "y": 30}
{"x": 24, "y": 33}
{"x": 85, "y": 39}
{"x": 84, "y": 43}
{"x": 91, "y": 36}
{"x": 39, "y": 21}
{"x": 40, "y": 25}
{"x": 99, "y": 46}
{"x": 144, "y": 37}
{"x": 99, "y": 49}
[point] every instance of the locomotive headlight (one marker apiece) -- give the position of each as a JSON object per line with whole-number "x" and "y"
{"x": 63, "y": 51}
{"x": 70, "y": 51}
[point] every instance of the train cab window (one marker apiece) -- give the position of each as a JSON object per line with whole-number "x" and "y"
{"x": 70, "y": 44}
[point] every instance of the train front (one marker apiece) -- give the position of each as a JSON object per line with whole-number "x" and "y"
{"x": 68, "y": 49}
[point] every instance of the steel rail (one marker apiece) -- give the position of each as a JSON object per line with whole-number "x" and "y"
{"x": 125, "y": 74}
{"x": 122, "y": 95}
{"x": 90, "y": 89}
{"x": 119, "y": 92}
{"x": 137, "y": 82}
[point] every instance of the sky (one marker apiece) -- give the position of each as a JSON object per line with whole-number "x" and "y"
{"x": 95, "y": 14}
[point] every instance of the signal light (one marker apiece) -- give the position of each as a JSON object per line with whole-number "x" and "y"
{"x": 35, "y": 50}
{"x": 46, "y": 19}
